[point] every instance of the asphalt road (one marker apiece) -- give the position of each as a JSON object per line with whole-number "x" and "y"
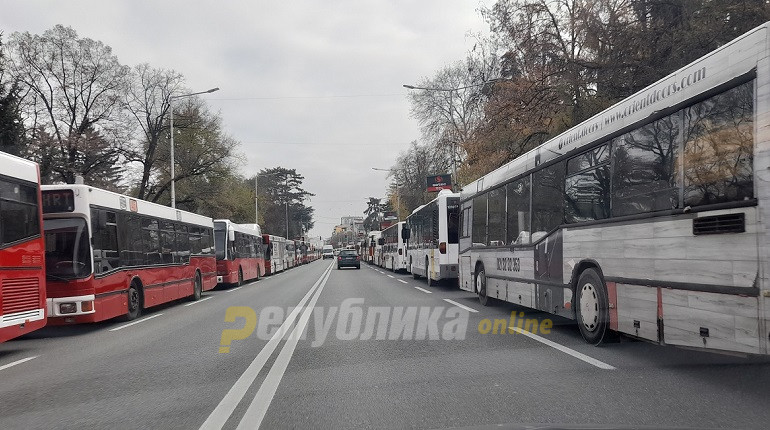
{"x": 366, "y": 348}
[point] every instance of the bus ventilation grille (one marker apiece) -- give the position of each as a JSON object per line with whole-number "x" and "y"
{"x": 20, "y": 295}
{"x": 730, "y": 223}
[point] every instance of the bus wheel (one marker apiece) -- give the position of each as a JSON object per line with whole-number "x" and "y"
{"x": 481, "y": 286}
{"x": 240, "y": 276}
{"x": 428, "y": 280}
{"x": 134, "y": 302}
{"x": 197, "y": 287}
{"x": 592, "y": 310}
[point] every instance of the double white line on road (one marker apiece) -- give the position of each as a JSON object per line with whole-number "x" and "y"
{"x": 258, "y": 407}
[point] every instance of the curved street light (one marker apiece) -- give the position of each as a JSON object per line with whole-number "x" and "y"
{"x": 450, "y": 90}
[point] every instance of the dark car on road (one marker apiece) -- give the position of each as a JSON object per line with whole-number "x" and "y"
{"x": 348, "y": 258}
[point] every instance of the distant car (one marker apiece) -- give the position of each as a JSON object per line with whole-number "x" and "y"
{"x": 348, "y": 258}
{"x": 328, "y": 252}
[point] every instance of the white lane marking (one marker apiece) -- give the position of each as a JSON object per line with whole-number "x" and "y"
{"x": 402, "y": 281}
{"x": 234, "y": 289}
{"x": 261, "y": 402}
{"x": 199, "y": 301}
{"x": 424, "y": 290}
{"x": 564, "y": 349}
{"x": 227, "y": 405}
{"x": 13, "y": 363}
{"x": 460, "y": 305}
{"x": 391, "y": 276}
{"x": 135, "y": 322}
{"x": 379, "y": 271}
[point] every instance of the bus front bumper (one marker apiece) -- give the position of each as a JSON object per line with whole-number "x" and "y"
{"x": 70, "y": 306}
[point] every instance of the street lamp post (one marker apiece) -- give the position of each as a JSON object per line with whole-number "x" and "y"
{"x": 171, "y": 127}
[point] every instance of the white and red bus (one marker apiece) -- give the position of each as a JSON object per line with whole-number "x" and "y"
{"x": 372, "y": 247}
{"x": 109, "y": 255}
{"x": 275, "y": 253}
{"x": 238, "y": 251}
{"x": 291, "y": 254}
{"x": 22, "y": 273}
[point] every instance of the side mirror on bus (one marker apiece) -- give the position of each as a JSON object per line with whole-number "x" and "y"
{"x": 380, "y": 241}
{"x": 231, "y": 235}
{"x": 406, "y": 233}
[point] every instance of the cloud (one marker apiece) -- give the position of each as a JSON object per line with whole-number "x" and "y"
{"x": 311, "y": 85}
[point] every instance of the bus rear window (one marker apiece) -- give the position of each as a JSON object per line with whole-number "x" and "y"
{"x": 453, "y": 219}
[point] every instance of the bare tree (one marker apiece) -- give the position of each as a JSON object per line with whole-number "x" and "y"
{"x": 449, "y": 106}
{"x": 408, "y": 186}
{"x": 71, "y": 87}
{"x": 203, "y": 152}
{"x": 148, "y": 101}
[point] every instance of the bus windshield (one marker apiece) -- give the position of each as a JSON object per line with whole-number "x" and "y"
{"x": 220, "y": 241}
{"x": 67, "y": 251}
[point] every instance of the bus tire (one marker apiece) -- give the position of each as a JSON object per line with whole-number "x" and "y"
{"x": 135, "y": 301}
{"x": 197, "y": 287}
{"x": 240, "y": 276}
{"x": 428, "y": 280}
{"x": 481, "y": 285}
{"x": 592, "y": 311}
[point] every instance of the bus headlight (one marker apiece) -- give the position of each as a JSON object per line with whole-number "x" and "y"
{"x": 67, "y": 308}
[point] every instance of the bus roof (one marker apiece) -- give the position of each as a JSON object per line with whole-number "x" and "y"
{"x": 252, "y": 229}
{"x": 86, "y": 195}
{"x": 17, "y": 167}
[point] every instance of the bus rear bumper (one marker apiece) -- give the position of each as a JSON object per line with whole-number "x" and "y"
{"x": 71, "y": 306}
{"x": 449, "y": 271}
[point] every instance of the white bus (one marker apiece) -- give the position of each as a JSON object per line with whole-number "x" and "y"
{"x": 433, "y": 238}
{"x": 275, "y": 253}
{"x": 646, "y": 219}
{"x": 110, "y": 255}
{"x": 394, "y": 246}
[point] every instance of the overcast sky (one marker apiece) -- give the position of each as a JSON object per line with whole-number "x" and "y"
{"x": 311, "y": 85}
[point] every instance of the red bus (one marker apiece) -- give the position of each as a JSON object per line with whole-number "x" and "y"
{"x": 238, "y": 251}
{"x": 275, "y": 253}
{"x": 22, "y": 274}
{"x": 140, "y": 254}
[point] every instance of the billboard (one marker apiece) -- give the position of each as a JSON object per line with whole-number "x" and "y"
{"x": 439, "y": 182}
